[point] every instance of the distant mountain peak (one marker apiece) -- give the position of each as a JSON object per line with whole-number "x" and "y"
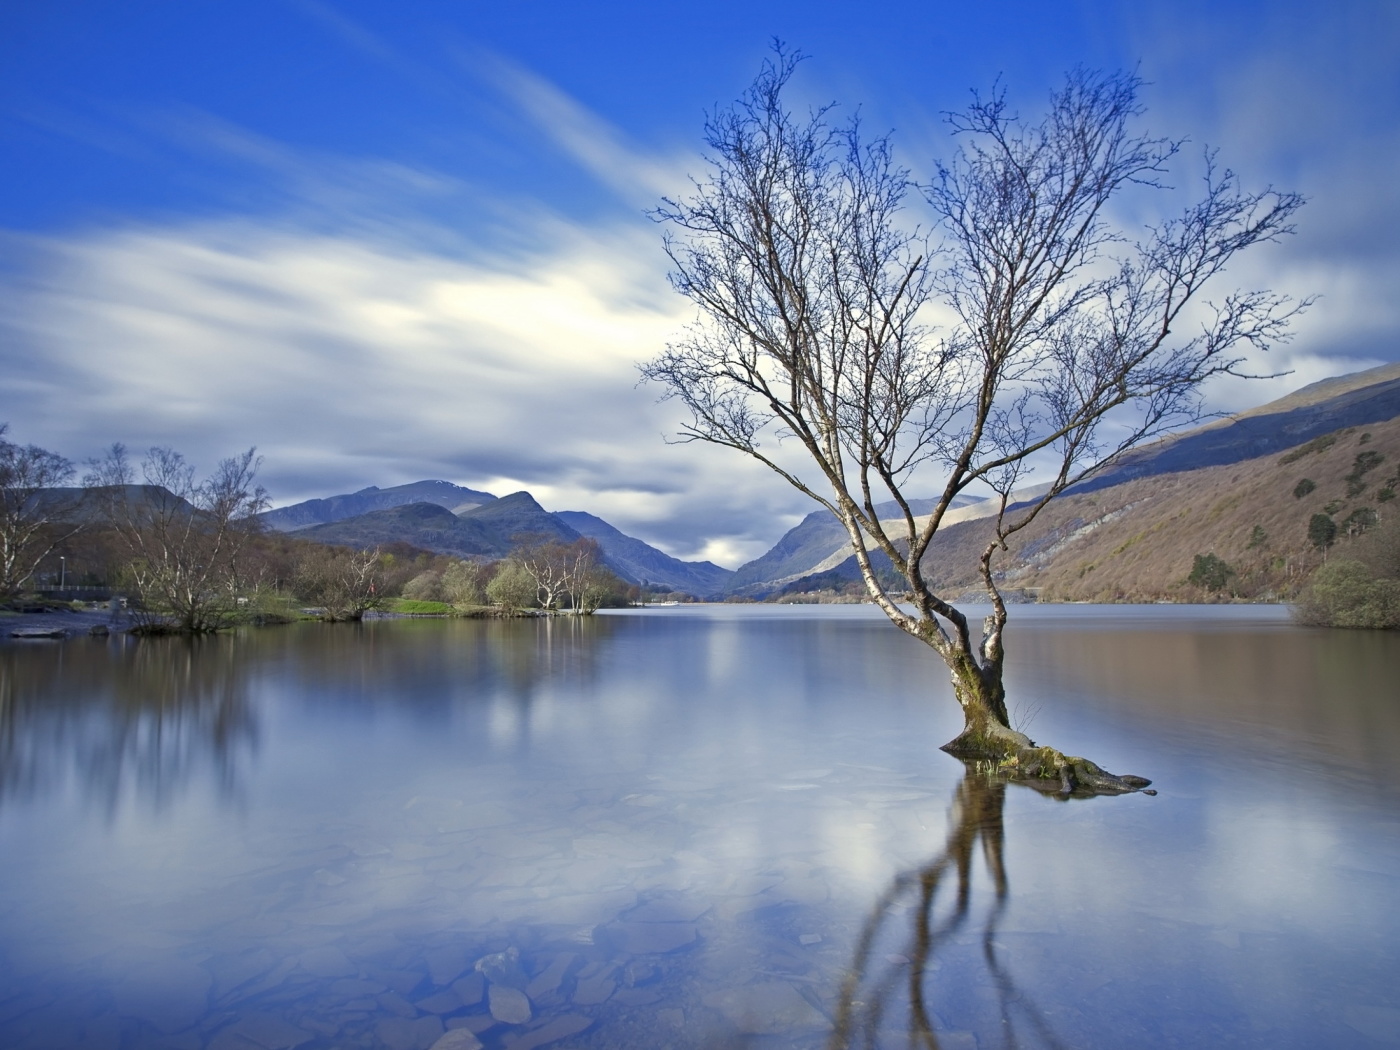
{"x": 456, "y": 498}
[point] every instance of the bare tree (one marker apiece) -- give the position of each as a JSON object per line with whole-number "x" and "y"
{"x": 464, "y": 583}
{"x": 589, "y": 581}
{"x": 184, "y": 538}
{"x": 34, "y": 518}
{"x": 1067, "y": 339}
{"x": 344, "y": 582}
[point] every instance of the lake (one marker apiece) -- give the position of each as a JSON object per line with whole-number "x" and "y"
{"x": 697, "y": 826}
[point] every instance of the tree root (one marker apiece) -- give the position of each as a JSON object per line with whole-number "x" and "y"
{"x": 1069, "y": 776}
{"x": 1004, "y": 752}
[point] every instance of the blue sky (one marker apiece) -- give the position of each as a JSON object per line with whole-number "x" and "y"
{"x": 389, "y": 242}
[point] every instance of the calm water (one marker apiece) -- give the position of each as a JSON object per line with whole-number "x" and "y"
{"x": 704, "y": 826}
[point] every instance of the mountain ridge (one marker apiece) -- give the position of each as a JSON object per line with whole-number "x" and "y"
{"x": 312, "y": 512}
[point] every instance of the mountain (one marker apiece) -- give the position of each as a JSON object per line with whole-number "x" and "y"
{"x": 1372, "y": 396}
{"x": 487, "y": 530}
{"x": 1139, "y": 540}
{"x": 818, "y": 544}
{"x": 337, "y": 508}
{"x": 645, "y": 564}
{"x": 1246, "y": 443}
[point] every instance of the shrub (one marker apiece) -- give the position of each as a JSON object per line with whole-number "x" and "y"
{"x": 1317, "y": 444}
{"x": 1257, "y": 538}
{"x": 1345, "y": 593}
{"x": 1364, "y": 461}
{"x": 464, "y": 583}
{"x": 1322, "y": 531}
{"x": 1359, "y": 520}
{"x": 1303, "y": 488}
{"x": 512, "y": 587}
{"x": 1210, "y": 572}
{"x": 425, "y": 587}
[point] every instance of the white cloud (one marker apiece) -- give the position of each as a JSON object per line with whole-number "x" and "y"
{"x": 358, "y": 338}
{"x": 350, "y": 362}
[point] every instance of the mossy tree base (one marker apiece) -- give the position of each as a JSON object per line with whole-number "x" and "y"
{"x": 1015, "y": 757}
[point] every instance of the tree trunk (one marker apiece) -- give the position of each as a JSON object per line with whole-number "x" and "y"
{"x": 987, "y": 733}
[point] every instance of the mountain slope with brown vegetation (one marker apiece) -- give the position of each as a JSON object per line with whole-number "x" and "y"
{"x": 1244, "y": 530}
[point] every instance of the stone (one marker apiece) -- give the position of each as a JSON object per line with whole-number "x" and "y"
{"x": 768, "y": 1008}
{"x": 440, "y": 1003}
{"x": 648, "y": 938}
{"x": 445, "y": 964}
{"x": 474, "y": 1023}
{"x": 397, "y": 1004}
{"x": 401, "y": 981}
{"x": 398, "y": 1033}
{"x": 549, "y": 979}
{"x": 327, "y": 962}
{"x": 558, "y": 1028}
{"x": 269, "y": 1031}
{"x": 590, "y": 991}
{"x": 508, "y": 1005}
{"x": 503, "y": 968}
{"x": 457, "y": 1039}
{"x": 470, "y": 989}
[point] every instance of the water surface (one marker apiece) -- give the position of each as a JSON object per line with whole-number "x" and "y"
{"x": 696, "y": 826}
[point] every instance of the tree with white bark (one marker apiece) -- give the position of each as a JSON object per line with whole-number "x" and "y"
{"x": 36, "y": 514}
{"x": 184, "y": 538}
{"x": 1024, "y": 328}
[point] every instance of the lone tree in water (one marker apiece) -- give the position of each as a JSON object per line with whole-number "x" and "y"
{"x": 1066, "y": 341}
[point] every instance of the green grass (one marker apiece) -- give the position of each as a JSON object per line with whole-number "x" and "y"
{"x": 407, "y": 605}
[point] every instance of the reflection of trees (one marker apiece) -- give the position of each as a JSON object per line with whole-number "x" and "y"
{"x": 431, "y": 663}
{"x": 124, "y": 719}
{"x": 870, "y": 991}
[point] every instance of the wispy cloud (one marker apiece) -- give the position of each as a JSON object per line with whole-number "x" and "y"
{"x": 597, "y": 146}
{"x": 353, "y": 362}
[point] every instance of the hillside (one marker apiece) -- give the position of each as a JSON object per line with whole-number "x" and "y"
{"x": 817, "y": 544}
{"x": 486, "y": 531}
{"x": 1362, "y": 398}
{"x": 1244, "y": 443}
{"x": 645, "y": 564}
{"x": 351, "y": 505}
{"x": 424, "y": 525}
{"x": 1138, "y": 541}
{"x": 491, "y": 530}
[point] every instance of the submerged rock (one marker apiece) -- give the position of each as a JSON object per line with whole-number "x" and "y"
{"x": 770, "y": 1008}
{"x": 508, "y": 1005}
{"x": 457, "y": 1039}
{"x": 652, "y": 938}
{"x": 503, "y": 968}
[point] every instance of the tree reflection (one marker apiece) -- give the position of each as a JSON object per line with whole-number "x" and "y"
{"x": 870, "y": 999}
{"x": 124, "y": 719}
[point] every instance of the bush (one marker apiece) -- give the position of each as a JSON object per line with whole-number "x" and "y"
{"x": 1364, "y": 461}
{"x": 1317, "y": 444}
{"x": 425, "y": 587}
{"x": 1303, "y": 488}
{"x": 1322, "y": 531}
{"x": 464, "y": 583}
{"x": 1345, "y": 593}
{"x": 512, "y": 588}
{"x": 1359, "y": 521}
{"x": 1210, "y": 572}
